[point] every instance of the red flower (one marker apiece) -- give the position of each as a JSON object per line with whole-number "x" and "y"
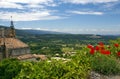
{"x": 118, "y": 54}
{"x": 101, "y": 43}
{"x": 92, "y": 51}
{"x": 106, "y": 52}
{"x": 97, "y": 48}
{"x": 90, "y": 46}
{"x": 102, "y": 51}
{"x": 116, "y": 45}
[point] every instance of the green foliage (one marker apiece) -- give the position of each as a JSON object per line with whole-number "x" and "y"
{"x": 77, "y": 68}
{"x": 104, "y": 64}
{"x": 9, "y": 68}
{"x": 107, "y": 64}
{"x": 114, "y": 49}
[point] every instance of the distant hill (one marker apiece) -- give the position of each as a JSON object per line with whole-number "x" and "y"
{"x": 1, "y": 26}
{"x": 30, "y": 31}
{"x": 20, "y": 32}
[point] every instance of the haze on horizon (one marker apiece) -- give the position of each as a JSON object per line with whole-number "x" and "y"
{"x": 71, "y": 16}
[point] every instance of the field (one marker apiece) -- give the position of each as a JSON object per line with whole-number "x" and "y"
{"x": 61, "y": 43}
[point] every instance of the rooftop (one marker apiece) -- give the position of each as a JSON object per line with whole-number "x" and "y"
{"x": 12, "y": 43}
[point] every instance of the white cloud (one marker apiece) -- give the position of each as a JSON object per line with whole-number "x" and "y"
{"x": 87, "y": 12}
{"x": 25, "y": 28}
{"x": 45, "y": 29}
{"x": 33, "y": 29}
{"x": 31, "y": 10}
{"x": 10, "y": 5}
{"x": 88, "y": 1}
{"x": 28, "y": 16}
{"x": 30, "y": 3}
{"x": 34, "y": 6}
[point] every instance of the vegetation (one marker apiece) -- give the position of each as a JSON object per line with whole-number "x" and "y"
{"x": 105, "y": 65}
{"x": 89, "y": 55}
{"x": 59, "y": 44}
{"x": 106, "y": 59}
{"x": 77, "y": 68}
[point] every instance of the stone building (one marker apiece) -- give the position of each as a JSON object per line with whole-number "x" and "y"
{"x": 10, "y": 46}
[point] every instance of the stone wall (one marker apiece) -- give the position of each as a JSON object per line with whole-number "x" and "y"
{"x": 18, "y": 51}
{"x": 15, "y": 52}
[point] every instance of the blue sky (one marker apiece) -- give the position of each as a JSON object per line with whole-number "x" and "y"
{"x": 71, "y": 16}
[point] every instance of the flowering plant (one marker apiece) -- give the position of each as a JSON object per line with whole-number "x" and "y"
{"x": 104, "y": 49}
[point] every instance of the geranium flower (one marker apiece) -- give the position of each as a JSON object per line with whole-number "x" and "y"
{"x": 90, "y": 46}
{"x": 97, "y": 48}
{"x": 116, "y": 45}
{"x": 106, "y": 52}
{"x": 92, "y": 51}
{"x": 118, "y": 54}
{"x": 101, "y": 43}
{"x": 102, "y": 51}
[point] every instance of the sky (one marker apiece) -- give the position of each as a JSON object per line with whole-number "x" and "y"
{"x": 70, "y": 16}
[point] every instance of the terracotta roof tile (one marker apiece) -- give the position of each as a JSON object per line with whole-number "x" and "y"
{"x": 12, "y": 43}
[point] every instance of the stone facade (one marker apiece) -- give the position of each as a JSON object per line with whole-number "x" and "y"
{"x": 19, "y": 51}
{"x": 13, "y": 53}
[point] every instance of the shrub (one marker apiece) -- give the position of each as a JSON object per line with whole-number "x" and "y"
{"x": 77, "y": 68}
{"x": 9, "y": 68}
{"x": 105, "y": 65}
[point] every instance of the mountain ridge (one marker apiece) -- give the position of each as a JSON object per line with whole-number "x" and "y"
{"x": 32, "y": 31}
